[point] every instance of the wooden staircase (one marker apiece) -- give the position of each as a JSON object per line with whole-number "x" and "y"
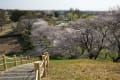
{"x": 22, "y": 72}
{"x": 29, "y": 71}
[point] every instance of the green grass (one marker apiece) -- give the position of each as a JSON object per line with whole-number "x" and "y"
{"x": 83, "y": 70}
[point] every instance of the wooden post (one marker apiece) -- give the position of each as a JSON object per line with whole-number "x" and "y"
{"x": 29, "y": 59}
{"x": 47, "y": 60}
{"x": 4, "y": 62}
{"x": 21, "y": 59}
{"x": 26, "y": 59}
{"x": 44, "y": 65}
{"x": 15, "y": 61}
{"x": 47, "y": 63}
{"x": 32, "y": 59}
{"x": 43, "y": 57}
{"x": 37, "y": 68}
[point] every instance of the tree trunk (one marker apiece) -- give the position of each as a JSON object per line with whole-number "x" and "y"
{"x": 90, "y": 55}
{"x": 118, "y": 58}
{"x": 82, "y": 52}
{"x": 96, "y": 56}
{"x": 105, "y": 55}
{"x": 97, "y": 53}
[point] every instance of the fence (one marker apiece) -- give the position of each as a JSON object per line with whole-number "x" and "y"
{"x": 41, "y": 67}
{"x": 7, "y": 62}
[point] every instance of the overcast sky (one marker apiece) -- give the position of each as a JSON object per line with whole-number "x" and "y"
{"x": 99, "y": 5}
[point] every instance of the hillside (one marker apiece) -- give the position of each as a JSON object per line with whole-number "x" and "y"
{"x": 83, "y": 70}
{"x": 8, "y": 44}
{"x": 74, "y": 35}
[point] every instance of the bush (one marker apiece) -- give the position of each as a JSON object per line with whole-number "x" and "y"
{"x": 16, "y": 15}
{"x": 26, "y": 42}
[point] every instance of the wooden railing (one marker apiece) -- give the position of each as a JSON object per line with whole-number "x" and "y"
{"x": 8, "y": 62}
{"x": 41, "y": 67}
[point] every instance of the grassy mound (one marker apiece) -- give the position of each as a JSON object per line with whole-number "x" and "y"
{"x": 83, "y": 70}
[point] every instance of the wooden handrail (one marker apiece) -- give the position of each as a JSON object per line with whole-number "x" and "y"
{"x": 41, "y": 67}
{"x": 15, "y": 62}
{"x": 5, "y": 61}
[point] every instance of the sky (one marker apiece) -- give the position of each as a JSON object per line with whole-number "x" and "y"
{"x": 91, "y": 5}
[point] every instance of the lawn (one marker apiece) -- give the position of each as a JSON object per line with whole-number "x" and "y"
{"x": 83, "y": 70}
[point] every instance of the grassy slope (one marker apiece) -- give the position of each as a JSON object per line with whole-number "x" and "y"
{"x": 8, "y": 44}
{"x": 83, "y": 70}
{"x": 8, "y": 28}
